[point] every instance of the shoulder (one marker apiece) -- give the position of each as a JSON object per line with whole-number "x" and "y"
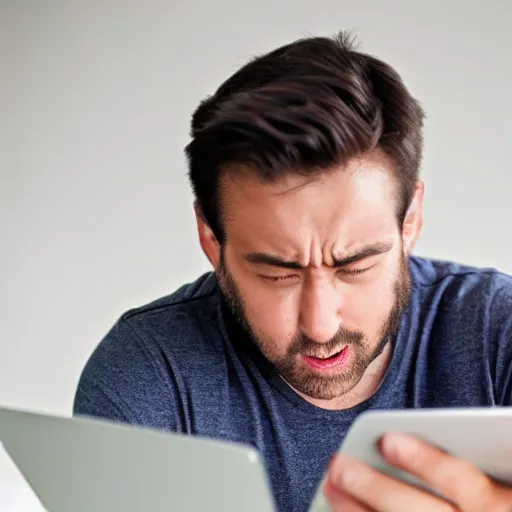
{"x": 463, "y": 287}
{"x": 138, "y": 370}
{"x": 469, "y": 313}
{"x": 183, "y": 318}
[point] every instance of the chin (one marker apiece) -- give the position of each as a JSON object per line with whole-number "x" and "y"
{"x": 324, "y": 387}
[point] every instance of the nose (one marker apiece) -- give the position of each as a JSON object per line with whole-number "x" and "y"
{"x": 319, "y": 317}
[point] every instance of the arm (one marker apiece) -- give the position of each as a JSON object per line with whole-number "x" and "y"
{"x": 126, "y": 380}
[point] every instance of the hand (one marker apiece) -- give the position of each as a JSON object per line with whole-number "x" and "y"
{"x": 354, "y": 487}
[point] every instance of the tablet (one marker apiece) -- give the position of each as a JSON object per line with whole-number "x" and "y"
{"x": 481, "y": 436}
{"x": 83, "y": 464}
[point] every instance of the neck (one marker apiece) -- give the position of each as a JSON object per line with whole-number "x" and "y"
{"x": 363, "y": 390}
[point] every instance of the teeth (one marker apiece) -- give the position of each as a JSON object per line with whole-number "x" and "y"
{"x": 325, "y": 357}
{"x": 328, "y": 357}
{"x": 332, "y": 355}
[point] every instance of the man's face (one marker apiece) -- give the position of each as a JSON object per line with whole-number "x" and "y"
{"x": 314, "y": 270}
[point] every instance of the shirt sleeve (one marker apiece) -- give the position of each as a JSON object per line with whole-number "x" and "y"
{"x": 125, "y": 380}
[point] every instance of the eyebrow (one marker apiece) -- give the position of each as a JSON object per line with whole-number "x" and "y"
{"x": 375, "y": 249}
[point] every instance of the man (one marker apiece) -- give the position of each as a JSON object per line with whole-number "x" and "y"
{"x": 305, "y": 169}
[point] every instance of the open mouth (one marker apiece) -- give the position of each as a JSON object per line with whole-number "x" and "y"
{"x": 331, "y": 361}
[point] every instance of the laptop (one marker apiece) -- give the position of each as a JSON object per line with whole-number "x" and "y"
{"x": 84, "y": 465}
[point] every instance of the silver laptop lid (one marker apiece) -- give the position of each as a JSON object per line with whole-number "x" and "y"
{"x": 81, "y": 465}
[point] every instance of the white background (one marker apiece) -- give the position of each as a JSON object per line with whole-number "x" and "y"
{"x": 95, "y": 103}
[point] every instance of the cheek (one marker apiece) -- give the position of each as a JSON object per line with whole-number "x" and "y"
{"x": 368, "y": 306}
{"x": 272, "y": 313}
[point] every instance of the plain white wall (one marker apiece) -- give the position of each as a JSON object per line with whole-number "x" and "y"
{"x": 95, "y": 103}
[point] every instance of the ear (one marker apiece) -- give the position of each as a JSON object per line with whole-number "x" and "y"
{"x": 413, "y": 221}
{"x": 207, "y": 239}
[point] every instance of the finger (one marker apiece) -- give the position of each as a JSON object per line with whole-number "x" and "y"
{"x": 341, "y": 501}
{"x": 380, "y": 492}
{"x": 453, "y": 478}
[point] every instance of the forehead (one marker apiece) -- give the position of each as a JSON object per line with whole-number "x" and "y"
{"x": 343, "y": 208}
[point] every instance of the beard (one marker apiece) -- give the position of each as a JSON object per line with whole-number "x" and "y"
{"x": 290, "y": 367}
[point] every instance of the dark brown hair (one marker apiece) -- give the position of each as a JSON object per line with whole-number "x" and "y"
{"x": 304, "y": 108}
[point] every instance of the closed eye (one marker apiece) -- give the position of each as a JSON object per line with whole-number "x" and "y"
{"x": 346, "y": 271}
{"x": 354, "y": 271}
{"x": 274, "y": 279}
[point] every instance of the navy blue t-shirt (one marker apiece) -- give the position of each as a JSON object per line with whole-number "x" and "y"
{"x": 180, "y": 364}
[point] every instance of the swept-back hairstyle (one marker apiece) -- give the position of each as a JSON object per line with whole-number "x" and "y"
{"x": 305, "y": 107}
